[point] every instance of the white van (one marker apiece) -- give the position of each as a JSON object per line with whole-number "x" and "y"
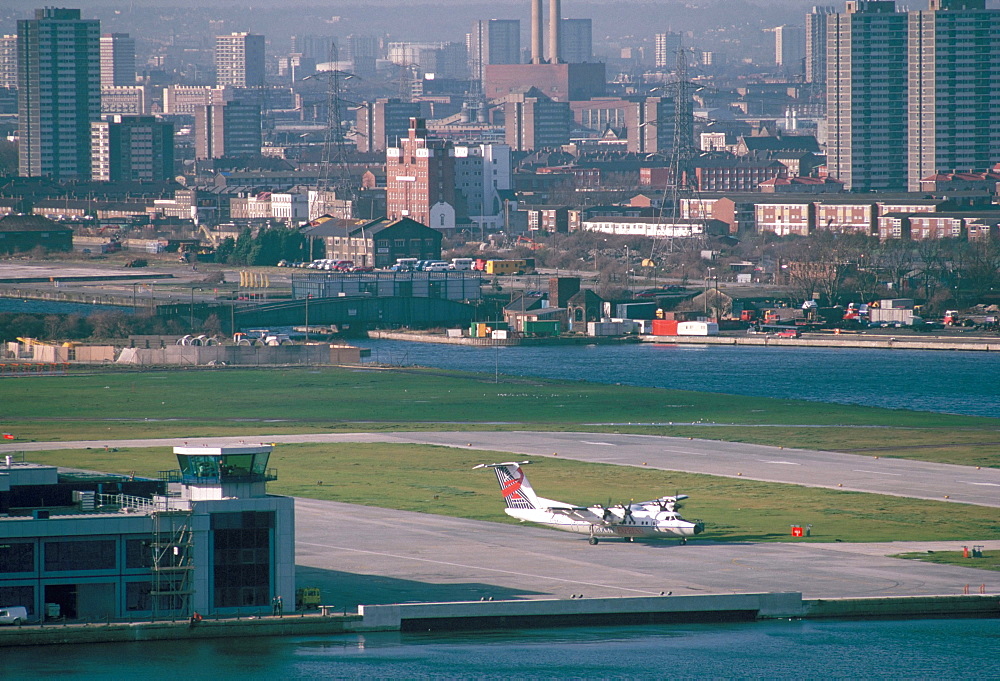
{"x": 461, "y": 264}
{"x": 13, "y": 615}
{"x": 436, "y": 266}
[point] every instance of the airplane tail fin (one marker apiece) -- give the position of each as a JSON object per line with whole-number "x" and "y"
{"x": 514, "y": 485}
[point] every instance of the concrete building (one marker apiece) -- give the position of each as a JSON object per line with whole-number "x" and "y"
{"x": 665, "y": 47}
{"x": 867, "y": 96}
{"x": 59, "y": 95}
{"x": 576, "y": 41}
{"x": 649, "y": 125}
{"x": 239, "y": 60}
{"x": 420, "y": 179}
{"x": 789, "y": 48}
{"x": 124, "y": 99}
{"x": 534, "y": 121}
{"x": 8, "y": 61}
{"x": 383, "y": 123}
{"x": 131, "y": 149}
{"x": 117, "y": 59}
{"x": 185, "y": 99}
{"x": 493, "y": 41}
{"x": 207, "y": 538}
{"x": 816, "y": 44}
{"x": 443, "y": 59}
{"x": 316, "y": 47}
{"x": 226, "y": 130}
{"x": 954, "y": 73}
{"x": 482, "y": 175}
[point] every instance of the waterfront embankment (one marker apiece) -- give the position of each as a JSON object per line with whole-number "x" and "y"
{"x": 873, "y": 341}
{"x": 519, "y": 614}
{"x": 123, "y": 632}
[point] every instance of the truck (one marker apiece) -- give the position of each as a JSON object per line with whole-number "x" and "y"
{"x": 13, "y": 614}
{"x": 525, "y": 266}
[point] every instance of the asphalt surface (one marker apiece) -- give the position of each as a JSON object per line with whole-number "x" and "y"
{"x": 365, "y": 555}
{"x": 831, "y": 470}
{"x": 361, "y": 555}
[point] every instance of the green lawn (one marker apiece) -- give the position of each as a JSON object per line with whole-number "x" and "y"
{"x": 989, "y": 561}
{"x": 184, "y": 403}
{"x": 441, "y": 480}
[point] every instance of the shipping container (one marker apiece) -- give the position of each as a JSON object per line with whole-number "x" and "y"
{"x": 665, "y": 327}
{"x": 609, "y": 328}
{"x": 891, "y": 315}
{"x": 541, "y": 328}
{"x": 697, "y": 329}
{"x": 896, "y": 304}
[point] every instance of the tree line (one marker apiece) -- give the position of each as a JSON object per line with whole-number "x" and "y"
{"x": 268, "y": 246}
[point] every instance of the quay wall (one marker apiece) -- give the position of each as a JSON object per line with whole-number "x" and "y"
{"x": 121, "y": 632}
{"x": 515, "y": 614}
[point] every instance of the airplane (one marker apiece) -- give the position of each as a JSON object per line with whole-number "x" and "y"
{"x": 657, "y": 519}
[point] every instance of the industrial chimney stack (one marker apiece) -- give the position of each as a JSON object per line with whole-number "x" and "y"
{"x": 536, "y": 32}
{"x": 555, "y": 21}
{"x": 555, "y": 26}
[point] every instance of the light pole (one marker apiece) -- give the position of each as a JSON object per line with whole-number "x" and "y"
{"x": 308, "y": 296}
{"x": 708, "y": 279}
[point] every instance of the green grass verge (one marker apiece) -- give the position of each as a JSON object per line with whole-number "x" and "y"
{"x": 440, "y": 480}
{"x": 188, "y": 403}
{"x": 989, "y": 561}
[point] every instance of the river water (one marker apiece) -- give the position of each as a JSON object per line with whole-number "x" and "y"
{"x": 943, "y": 381}
{"x": 898, "y": 649}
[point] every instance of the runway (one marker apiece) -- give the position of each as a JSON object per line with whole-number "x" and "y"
{"x": 810, "y": 468}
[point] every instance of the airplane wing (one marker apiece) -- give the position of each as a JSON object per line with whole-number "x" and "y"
{"x": 662, "y": 500}
{"x": 584, "y": 514}
{"x": 581, "y": 513}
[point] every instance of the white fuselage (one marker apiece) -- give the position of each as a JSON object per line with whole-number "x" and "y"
{"x": 635, "y": 521}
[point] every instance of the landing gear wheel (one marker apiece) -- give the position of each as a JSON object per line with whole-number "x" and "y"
{"x": 684, "y": 541}
{"x": 593, "y": 541}
{"x": 630, "y": 539}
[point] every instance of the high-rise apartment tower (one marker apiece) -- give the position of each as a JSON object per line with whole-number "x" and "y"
{"x": 59, "y": 94}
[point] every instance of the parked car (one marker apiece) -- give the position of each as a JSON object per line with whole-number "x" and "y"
{"x": 362, "y": 268}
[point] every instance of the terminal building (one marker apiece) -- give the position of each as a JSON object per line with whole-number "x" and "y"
{"x": 205, "y": 538}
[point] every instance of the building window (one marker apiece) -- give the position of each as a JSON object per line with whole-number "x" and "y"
{"x": 137, "y": 596}
{"x": 79, "y": 555}
{"x": 18, "y": 557}
{"x": 138, "y": 554}
{"x": 242, "y": 547}
{"x": 19, "y": 595}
